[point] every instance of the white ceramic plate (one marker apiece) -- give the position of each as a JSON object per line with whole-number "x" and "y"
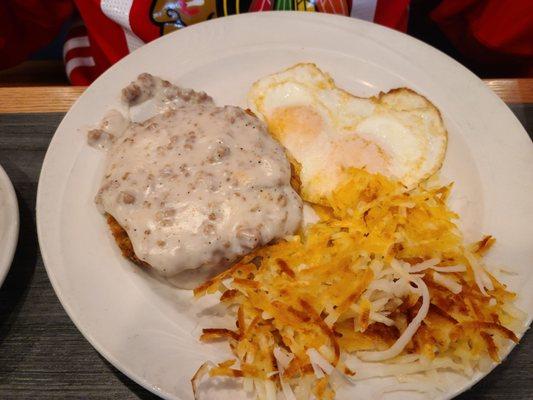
{"x": 9, "y": 224}
{"x": 148, "y": 330}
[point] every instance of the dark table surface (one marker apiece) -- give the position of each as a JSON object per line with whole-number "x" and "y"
{"x": 42, "y": 354}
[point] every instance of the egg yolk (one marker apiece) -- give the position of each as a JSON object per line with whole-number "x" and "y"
{"x": 300, "y": 122}
{"x": 360, "y": 153}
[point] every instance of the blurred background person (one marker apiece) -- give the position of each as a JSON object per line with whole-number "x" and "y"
{"x": 494, "y": 38}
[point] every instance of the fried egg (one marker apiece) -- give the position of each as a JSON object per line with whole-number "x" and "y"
{"x": 325, "y": 130}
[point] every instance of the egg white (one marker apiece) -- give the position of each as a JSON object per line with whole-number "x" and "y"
{"x": 325, "y": 129}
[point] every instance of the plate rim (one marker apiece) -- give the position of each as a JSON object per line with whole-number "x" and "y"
{"x": 227, "y": 20}
{"x": 12, "y": 231}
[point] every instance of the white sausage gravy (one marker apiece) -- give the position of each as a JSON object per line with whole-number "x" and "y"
{"x": 195, "y": 186}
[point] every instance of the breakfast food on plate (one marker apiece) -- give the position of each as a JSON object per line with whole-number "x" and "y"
{"x": 384, "y": 283}
{"x": 380, "y": 284}
{"x": 195, "y": 186}
{"x": 325, "y": 129}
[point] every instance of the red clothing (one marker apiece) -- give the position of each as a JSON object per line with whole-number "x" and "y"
{"x": 501, "y": 26}
{"x": 495, "y": 36}
{"x": 112, "y": 29}
{"x": 28, "y": 25}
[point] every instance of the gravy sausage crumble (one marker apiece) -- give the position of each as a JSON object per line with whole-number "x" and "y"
{"x": 195, "y": 186}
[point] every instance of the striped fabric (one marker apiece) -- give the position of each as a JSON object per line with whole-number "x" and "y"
{"x": 114, "y": 28}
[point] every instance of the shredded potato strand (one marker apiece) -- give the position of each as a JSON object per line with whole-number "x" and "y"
{"x": 344, "y": 285}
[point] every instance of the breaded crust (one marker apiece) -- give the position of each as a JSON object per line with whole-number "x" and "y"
{"x": 123, "y": 242}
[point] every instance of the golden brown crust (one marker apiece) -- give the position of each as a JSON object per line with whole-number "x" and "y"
{"x": 296, "y": 168}
{"x": 123, "y": 242}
